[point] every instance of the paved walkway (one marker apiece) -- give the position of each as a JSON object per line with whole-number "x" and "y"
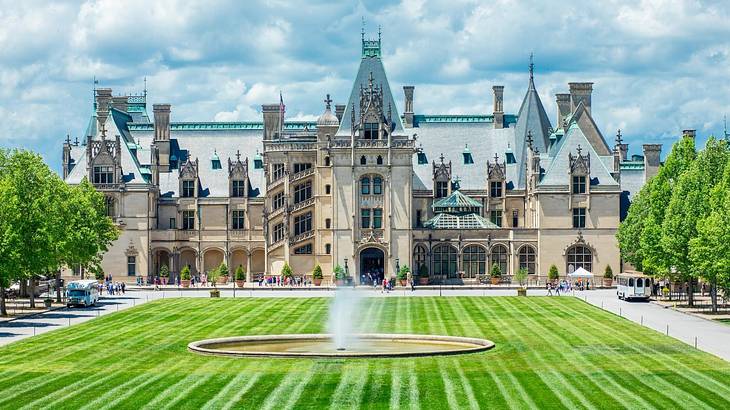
{"x": 712, "y": 337}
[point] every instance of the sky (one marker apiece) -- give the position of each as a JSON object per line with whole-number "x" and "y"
{"x": 658, "y": 67}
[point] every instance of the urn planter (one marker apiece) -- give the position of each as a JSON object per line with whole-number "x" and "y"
{"x": 240, "y": 283}
{"x": 185, "y": 283}
{"x": 494, "y": 280}
{"x": 317, "y": 282}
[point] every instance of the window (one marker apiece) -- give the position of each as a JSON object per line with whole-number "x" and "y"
{"x": 258, "y": 163}
{"x": 103, "y": 175}
{"x": 444, "y": 261}
{"x": 188, "y": 188}
{"x": 363, "y": 160}
{"x": 579, "y": 185}
{"x": 173, "y": 223}
{"x": 377, "y": 186}
{"x": 188, "y": 219}
{"x": 468, "y": 158}
{"x": 215, "y": 164}
{"x": 237, "y": 220}
{"x": 278, "y": 201}
{"x": 377, "y": 218}
{"x": 109, "y": 205}
{"x": 302, "y": 192}
{"x": 238, "y": 188}
{"x": 327, "y": 189}
{"x": 365, "y": 186}
{"x": 495, "y": 189}
{"x": 422, "y": 159}
{"x": 327, "y": 223}
{"x": 419, "y": 257}
{"x": 631, "y": 281}
{"x": 499, "y": 256}
{"x": 304, "y": 250}
{"x": 326, "y": 161}
{"x": 515, "y": 218}
{"x": 526, "y": 256}
{"x": 327, "y": 249}
{"x": 579, "y": 217}
{"x": 277, "y": 233}
{"x": 442, "y": 189}
{"x": 496, "y": 217}
{"x": 277, "y": 172}
{"x": 365, "y": 218}
{"x": 131, "y": 266}
{"x": 302, "y": 167}
{"x": 579, "y": 257}
{"x": 474, "y": 260}
{"x": 370, "y": 131}
{"x": 379, "y": 161}
{"x": 303, "y": 223}
{"x": 419, "y": 223}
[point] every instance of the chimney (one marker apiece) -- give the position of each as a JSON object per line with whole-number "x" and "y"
{"x": 408, "y": 111}
{"x": 339, "y": 111}
{"x": 689, "y": 133}
{"x": 624, "y": 150}
{"x": 498, "y": 111}
{"x": 272, "y": 121}
{"x": 562, "y": 101}
{"x": 66, "y": 157}
{"x": 652, "y": 153}
{"x": 162, "y": 134}
{"x": 120, "y": 102}
{"x": 580, "y": 92}
{"x": 103, "y": 100}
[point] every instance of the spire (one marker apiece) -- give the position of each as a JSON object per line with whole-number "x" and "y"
{"x": 328, "y": 102}
{"x": 532, "y": 72}
{"x": 238, "y": 155}
{"x": 618, "y": 138}
{"x": 145, "y": 88}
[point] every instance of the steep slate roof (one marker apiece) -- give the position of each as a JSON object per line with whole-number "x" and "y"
{"x": 531, "y": 119}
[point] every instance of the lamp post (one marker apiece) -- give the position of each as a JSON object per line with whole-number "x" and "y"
{"x": 347, "y": 270}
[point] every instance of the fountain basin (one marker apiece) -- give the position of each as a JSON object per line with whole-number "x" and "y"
{"x": 323, "y": 346}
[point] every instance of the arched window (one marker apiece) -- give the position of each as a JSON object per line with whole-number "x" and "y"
{"x": 444, "y": 261}
{"x": 377, "y": 185}
{"x": 326, "y": 161}
{"x": 579, "y": 257}
{"x": 380, "y": 160}
{"x": 527, "y": 259}
{"x": 419, "y": 257}
{"x": 365, "y": 186}
{"x": 474, "y": 261}
{"x": 499, "y": 256}
{"x": 363, "y": 160}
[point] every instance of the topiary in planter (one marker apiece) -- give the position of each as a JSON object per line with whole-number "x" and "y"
{"x": 164, "y": 271}
{"x": 521, "y": 277}
{"x": 608, "y": 276}
{"x": 553, "y": 274}
{"x": 240, "y": 276}
{"x": 339, "y": 275}
{"x": 402, "y": 274}
{"x": 185, "y": 277}
{"x": 317, "y": 275}
{"x": 495, "y": 273}
{"x": 423, "y": 274}
{"x": 222, "y": 277}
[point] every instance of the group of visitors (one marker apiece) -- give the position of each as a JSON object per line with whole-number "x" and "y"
{"x": 373, "y": 277}
{"x": 294, "y": 281}
{"x": 562, "y": 286}
{"x": 111, "y": 287}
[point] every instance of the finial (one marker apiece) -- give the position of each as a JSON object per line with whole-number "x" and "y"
{"x": 145, "y": 88}
{"x": 579, "y": 149}
{"x": 76, "y": 141}
{"x": 379, "y": 33}
{"x": 328, "y": 101}
{"x": 618, "y": 137}
{"x": 362, "y": 29}
{"x": 532, "y": 66}
{"x": 103, "y": 131}
{"x": 68, "y": 139}
{"x": 496, "y": 157}
{"x": 529, "y": 139}
{"x": 238, "y": 155}
{"x": 442, "y": 157}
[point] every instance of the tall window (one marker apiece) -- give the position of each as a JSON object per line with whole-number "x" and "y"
{"x": 365, "y": 218}
{"x": 499, "y": 256}
{"x": 109, "y": 204}
{"x": 379, "y": 160}
{"x": 327, "y": 248}
{"x": 370, "y": 131}
{"x": 277, "y": 171}
{"x": 474, "y": 260}
{"x": 377, "y": 185}
{"x": 188, "y": 188}
{"x": 579, "y": 257}
{"x": 303, "y": 223}
{"x": 302, "y": 192}
{"x": 515, "y": 218}
{"x": 326, "y": 161}
{"x": 377, "y": 218}
{"x": 496, "y": 217}
{"x": 579, "y": 185}
{"x": 238, "y": 188}
{"x": 419, "y": 215}
{"x": 327, "y": 189}
{"x": 365, "y": 186}
{"x": 363, "y": 160}
{"x": 278, "y": 201}
{"x": 444, "y": 261}
{"x": 131, "y": 265}
{"x": 579, "y": 217}
{"x": 328, "y": 223}
{"x": 442, "y": 189}
{"x": 188, "y": 219}
{"x": 419, "y": 257}
{"x": 237, "y": 220}
{"x": 299, "y": 167}
{"x": 103, "y": 175}
{"x": 173, "y": 223}
{"x": 527, "y": 259}
{"x": 495, "y": 189}
{"x": 277, "y": 233}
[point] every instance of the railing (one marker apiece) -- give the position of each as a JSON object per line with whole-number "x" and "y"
{"x": 371, "y": 143}
{"x": 341, "y": 144}
{"x": 301, "y": 237}
{"x": 276, "y": 244}
{"x": 274, "y": 183}
{"x": 301, "y": 174}
{"x": 185, "y": 234}
{"x": 275, "y": 212}
{"x": 290, "y": 146}
{"x": 303, "y": 204}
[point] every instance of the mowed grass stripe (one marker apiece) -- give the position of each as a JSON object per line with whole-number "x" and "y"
{"x": 348, "y": 393}
{"x": 290, "y": 387}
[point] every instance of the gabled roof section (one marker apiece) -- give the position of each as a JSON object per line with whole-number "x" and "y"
{"x": 370, "y": 63}
{"x": 583, "y": 118}
{"x": 455, "y": 203}
{"x": 469, "y": 221}
{"x": 532, "y": 119}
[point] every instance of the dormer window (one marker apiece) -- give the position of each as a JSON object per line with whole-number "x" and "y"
{"x": 258, "y": 163}
{"x": 370, "y": 131}
{"x": 468, "y": 159}
{"x": 238, "y": 188}
{"x": 442, "y": 189}
{"x": 579, "y": 184}
{"x": 422, "y": 158}
{"x": 188, "y": 188}
{"x": 495, "y": 189}
{"x": 103, "y": 175}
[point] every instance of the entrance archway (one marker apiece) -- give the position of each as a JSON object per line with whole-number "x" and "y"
{"x": 372, "y": 266}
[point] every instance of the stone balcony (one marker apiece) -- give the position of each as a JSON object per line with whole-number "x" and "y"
{"x": 301, "y": 175}
{"x": 301, "y": 205}
{"x": 301, "y": 237}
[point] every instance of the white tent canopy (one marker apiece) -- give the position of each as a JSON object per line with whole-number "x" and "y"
{"x": 580, "y": 273}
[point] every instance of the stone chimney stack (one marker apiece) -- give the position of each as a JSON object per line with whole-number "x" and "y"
{"x": 562, "y": 101}
{"x": 103, "y": 101}
{"x": 272, "y": 121}
{"x": 66, "y": 157}
{"x": 624, "y": 150}
{"x": 580, "y": 92}
{"x": 120, "y": 102}
{"x": 652, "y": 154}
{"x": 339, "y": 111}
{"x": 689, "y": 133}
{"x": 162, "y": 135}
{"x": 498, "y": 109}
{"x": 408, "y": 111}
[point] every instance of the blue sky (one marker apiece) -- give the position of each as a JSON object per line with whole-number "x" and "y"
{"x": 658, "y": 66}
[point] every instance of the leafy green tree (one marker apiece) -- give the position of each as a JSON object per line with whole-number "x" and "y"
{"x": 631, "y": 229}
{"x": 403, "y": 272}
{"x": 553, "y": 274}
{"x": 339, "y": 272}
{"x": 608, "y": 272}
{"x": 185, "y": 273}
{"x": 521, "y": 276}
{"x": 286, "y": 271}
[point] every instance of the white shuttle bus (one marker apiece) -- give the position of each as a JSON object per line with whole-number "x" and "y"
{"x": 82, "y": 293}
{"x": 632, "y": 286}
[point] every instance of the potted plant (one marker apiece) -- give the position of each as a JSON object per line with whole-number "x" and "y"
{"x": 423, "y": 275}
{"x": 213, "y": 276}
{"x": 521, "y": 277}
{"x": 185, "y": 277}
{"x": 164, "y": 274}
{"x": 317, "y": 275}
{"x": 608, "y": 276}
{"x": 553, "y": 274}
{"x": 286, "y": 274}
{"x": 402, "y": 275}
{"x": 339, "y": 275}
{"x": 240, "y": 276}
{"x": 495, "y": 274}
{"x": 222, "y": 277}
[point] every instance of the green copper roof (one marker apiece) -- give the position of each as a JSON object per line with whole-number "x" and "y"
{"x": 468, "y": 221}
{"x": 632, "y": 165}
{"x": 461, "y": 118}
{"x": 213, "y": 126}
{"x": 456, "y": 203}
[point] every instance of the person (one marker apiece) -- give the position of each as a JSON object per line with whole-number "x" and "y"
{"x": 385, "y": 286}
{"x": 124, "y": 288}
{"x": 549, "y": 287}
{"x": 557, "y": 290}
{"x": 413, "y": 284}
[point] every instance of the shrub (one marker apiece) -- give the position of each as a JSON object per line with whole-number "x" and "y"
{"x": 608, "y": 273}
{"x": 286, "y": 271}
{"x": 521, "y": 276}
{"x": 317, "y": 273}
{"x": 495, "y": 272}
{"x": 423, "y": 271}
{"x": 164, "y": 271}
{"x": 213, "y": 275}
{"x": 185, "y": 273}
{"x": 223, "y": 269}
{"x": 403, "y": 272}
{"x": 553, "y": 273}
{"x": 240, "y": 273}
{"x": 339, "y": 273}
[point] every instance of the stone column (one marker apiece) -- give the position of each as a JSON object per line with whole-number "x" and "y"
{"x": 249, "y": 276}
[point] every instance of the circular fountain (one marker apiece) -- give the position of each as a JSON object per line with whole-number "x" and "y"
{"x": 326, "y": 345}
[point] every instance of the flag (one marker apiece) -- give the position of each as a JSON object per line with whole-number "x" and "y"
{"x": 282, "y": 110}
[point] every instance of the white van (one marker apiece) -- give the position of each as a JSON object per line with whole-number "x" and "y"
{"x": 82, "y": 293}
{"x": 631, "y": 286}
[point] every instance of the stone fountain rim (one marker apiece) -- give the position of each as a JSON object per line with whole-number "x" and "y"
{"x": 479, "y": 345}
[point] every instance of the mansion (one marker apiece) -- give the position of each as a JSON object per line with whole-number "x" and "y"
{"x": 365, "y": 186}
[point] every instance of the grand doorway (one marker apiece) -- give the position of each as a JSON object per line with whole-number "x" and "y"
{"x": 372, "y": 268}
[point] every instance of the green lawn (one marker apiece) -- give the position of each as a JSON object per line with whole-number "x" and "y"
{"x": 550, "y": 352}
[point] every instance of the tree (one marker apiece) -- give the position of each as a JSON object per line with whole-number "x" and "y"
{"x": 403, "y": 272}
{"x": 286, "y": 271}
{"x": 240, "y": 273}
{"x": 317, "y": 272}
{"x": 608, "y": 272}
{"x": 553, "y": 274}
{"x": 631, "y": 229}
{"x": 496, "y": 271}
{"x": 339, "y": 273}
{"x": 521, "y": 276}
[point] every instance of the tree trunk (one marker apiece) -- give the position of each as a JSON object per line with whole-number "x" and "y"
{"x": 31, "y": 292}
{"x": 690, "y": 292}
{"x": 3, "y": 309}
{"x": 713, "y": 294}
{"x": 23, "y": 289}
{"x": 58, "y": 286}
